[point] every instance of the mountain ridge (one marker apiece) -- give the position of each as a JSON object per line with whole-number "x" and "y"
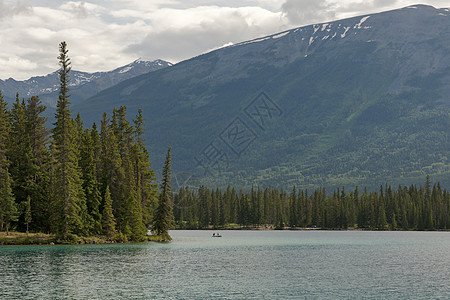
{"x": 82, "y": 84}
{"x": 364, "y": 101}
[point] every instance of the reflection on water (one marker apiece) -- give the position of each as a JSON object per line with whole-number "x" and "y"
{"x": 241, "y": 264}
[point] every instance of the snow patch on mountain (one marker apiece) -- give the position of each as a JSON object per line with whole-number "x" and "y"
{"x": 253, "y": 41}
{"x": 316, "y": 27}
{"x": 358, "y": 26}
{"x": 345, "y": 32}
{"x": 277, "y": 36}
{"x": 80, "y": 78}
{"x": 126, "y": 69}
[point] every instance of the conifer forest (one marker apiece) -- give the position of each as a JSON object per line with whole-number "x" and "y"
{"x": 72, "y": 180}
{"x": 402, "y": 208}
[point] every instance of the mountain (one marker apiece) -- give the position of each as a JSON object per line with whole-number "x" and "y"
{"x": 361, "y": 101}
{"x": 83, "y": 85}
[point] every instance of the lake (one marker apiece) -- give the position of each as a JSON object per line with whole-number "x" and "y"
{"x": 238, "y": 265}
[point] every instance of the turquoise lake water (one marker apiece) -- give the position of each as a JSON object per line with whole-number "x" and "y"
{"x": 239, "y": 265}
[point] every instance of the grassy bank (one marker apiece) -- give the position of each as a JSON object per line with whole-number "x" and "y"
{"x": 21, "y": 238}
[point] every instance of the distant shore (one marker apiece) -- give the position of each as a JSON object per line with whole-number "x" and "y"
{"x": 286, "y": 228}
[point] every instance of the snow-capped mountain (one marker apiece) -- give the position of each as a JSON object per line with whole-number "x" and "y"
{"x": 82, "y": 84}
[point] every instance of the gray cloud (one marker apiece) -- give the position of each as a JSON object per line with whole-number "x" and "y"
{"x": 80, "y": 10}
{"x": 7, "y": 11}
{"x": 307, "y": 11}
{"x": 364, "y": 6}
{"x": 301, "y": 12}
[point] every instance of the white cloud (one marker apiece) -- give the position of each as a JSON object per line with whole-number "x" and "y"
{"x": 304, "y": 12}
{"x": 103, "y": 35}
{"x": 180, "y": 34}
{"x": 21, "y": 67}
{"x": 94, "y": 44}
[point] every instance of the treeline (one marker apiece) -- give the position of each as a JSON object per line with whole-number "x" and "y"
{"x": 74, "y": 180}
{"x": 407, "y": 208}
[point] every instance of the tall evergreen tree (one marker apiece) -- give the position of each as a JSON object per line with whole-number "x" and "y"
{"x": 7, "y": 202}
{"x": 163, "y": 218}
{"x": 114, "y": 173}
{"x": 134, "y": 218}
{"x": 20, "y": 156}
{"x": 5, "y": 128}
{"x": 8, "y": 208}
{"x": 69, "y": 203}
{"x": 40, "y": 179}
{"x": 109, "y": 222}
{"x": 91, "y": 186}
{"x": 110, "y": 158}
{"x": 97, "y": 152}
{"x": 204, "y": 206}
{"x": 28, "y": 212}
{"x": 145, "y": 176}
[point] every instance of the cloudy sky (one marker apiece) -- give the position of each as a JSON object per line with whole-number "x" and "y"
{"x": 105, "y": 34}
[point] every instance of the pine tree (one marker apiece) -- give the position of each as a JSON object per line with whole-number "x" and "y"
{"x": 114, "y": 173}
{"x": 110, "y": 158}
{"x": 268, "y": 207}
{"x": 20, "y": 156}
{"x": 5, "y": 128}
{"x": 127, "y": 189}
{"x": 215, "y": 213}
{"x": 228, "y": 205}
{"x": 109, "y": 222}
{"x": 204, "y": 206}
{"x": 134, "y": 208}
{"x": 28, "y": 212}
{"x": 293, "y": 209}
{"x": 145, "y": 176}
{"x": 91, "y": 186}
{"x": 8, "y": 208}
{"x": 40, "y": 163}
{"x": 190, "y": 213}
{"x": 163, "y": 218}
{"x": 97, "y": 150}
{"x": 69, "y": 203}
{"x": 244, "y": 210}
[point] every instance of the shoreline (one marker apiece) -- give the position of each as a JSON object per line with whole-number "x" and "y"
{"x": 43, "y": 239}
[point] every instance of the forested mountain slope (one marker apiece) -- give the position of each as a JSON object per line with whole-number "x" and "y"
{"x": 360, "y": 101}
